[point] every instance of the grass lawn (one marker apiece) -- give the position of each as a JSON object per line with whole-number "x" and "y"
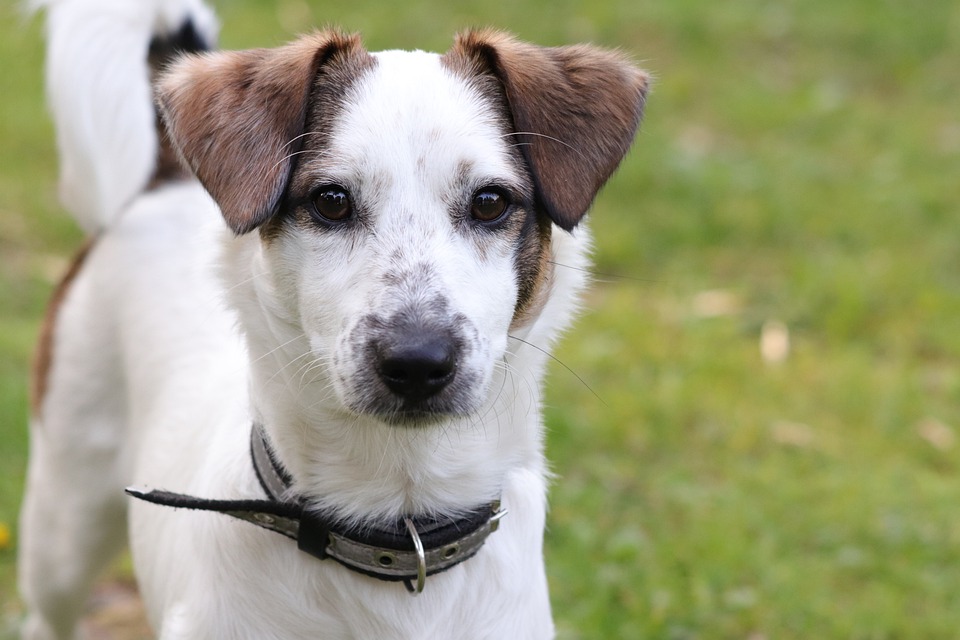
{"x": 797, "y": 175}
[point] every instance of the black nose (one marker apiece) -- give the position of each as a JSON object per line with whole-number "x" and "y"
{"x": 418, "y": 366}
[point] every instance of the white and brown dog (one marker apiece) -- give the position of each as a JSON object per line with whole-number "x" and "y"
{"x": 326, "y": 345}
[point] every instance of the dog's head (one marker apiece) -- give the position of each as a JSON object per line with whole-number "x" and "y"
{"x": 404, "y": 203}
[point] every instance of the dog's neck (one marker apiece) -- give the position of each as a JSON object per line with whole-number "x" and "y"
{"x": 360, "y": 467}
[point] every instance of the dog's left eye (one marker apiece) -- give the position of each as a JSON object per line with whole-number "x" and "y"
{"x": 488, "y": 205}
{"x": 332, "y": 204}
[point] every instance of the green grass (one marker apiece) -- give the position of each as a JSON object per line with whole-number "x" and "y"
{"x": 800, "y": 160}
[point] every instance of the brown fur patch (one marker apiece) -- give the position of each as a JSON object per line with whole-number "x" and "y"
{"x": 328, "y": 96}
{"x": 43, "y": 357}
{"x": 237, "y": 119}
{"x": 575, "y": 111}
{"x": 535, "y": 271}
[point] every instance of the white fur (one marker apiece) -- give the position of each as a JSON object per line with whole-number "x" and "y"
{"x": 176, "y": 335}
{"x": 98, "y": 85}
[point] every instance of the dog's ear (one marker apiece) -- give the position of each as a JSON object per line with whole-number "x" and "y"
{"x": 237, "y": 119}
{"x": 575, "y": 111}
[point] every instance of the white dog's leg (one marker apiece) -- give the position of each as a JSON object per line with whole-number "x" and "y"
{"x": 69, "y": 531}
{"x": 73, "y": 517}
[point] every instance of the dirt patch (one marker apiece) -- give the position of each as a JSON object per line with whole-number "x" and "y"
{"x": 116, "y": 613}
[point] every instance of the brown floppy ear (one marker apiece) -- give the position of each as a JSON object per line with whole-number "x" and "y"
{"x": 576, "y": 110}
{"x": 237, "y": 119}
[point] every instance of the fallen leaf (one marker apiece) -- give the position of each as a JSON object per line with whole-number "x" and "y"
{"x": 715, "y": 303}
{"x": 937, "y": 434}
{"x": 793, "y": 434}
{"x": 774, "y": 342}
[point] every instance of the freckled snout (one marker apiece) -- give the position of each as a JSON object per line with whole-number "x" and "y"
{"x": 417, "y": 363}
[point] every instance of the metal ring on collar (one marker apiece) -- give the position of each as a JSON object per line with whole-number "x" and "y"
{"x": 421, "y": 557}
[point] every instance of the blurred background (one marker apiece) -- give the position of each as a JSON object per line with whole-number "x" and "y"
{"x": 754, "y": 430}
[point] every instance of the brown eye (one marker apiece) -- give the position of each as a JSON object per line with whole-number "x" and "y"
{"x": 332, "y": 204}
{"x": 488, "y": 205}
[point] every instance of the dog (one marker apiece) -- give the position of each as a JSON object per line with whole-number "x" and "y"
{"x": 310, "y": 326}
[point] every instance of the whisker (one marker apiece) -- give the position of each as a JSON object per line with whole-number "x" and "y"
{"x": 281, "y": 346}
{"x": 281, "y": 369}
{"x": 533, "y": 389}
{"x": 303, "y": 356}
{"x": 562, "y": 364}
{"x": 391, "y": 436}
{"x": 312, "y": 367}
{"x": 302, "y": 135}
{"x": 240, "y": 283}
{"x": 543, "y": 135}
{"x": 295, "y": 153}
{"x": 480, "y": 419}
{"x": 323, "y": 395}
{"x": 614, "y": 276}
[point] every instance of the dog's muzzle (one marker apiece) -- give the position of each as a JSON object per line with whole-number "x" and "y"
{"x": 412, "y": 367}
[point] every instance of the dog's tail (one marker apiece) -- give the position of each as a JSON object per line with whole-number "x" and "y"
{"x": 101, "y": 58}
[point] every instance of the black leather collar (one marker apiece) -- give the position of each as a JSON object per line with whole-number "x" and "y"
{"x": 408, "y": 549}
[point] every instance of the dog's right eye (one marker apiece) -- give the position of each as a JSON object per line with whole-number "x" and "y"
{"x": 488, "y": 204}
{"x": 332, "y": 204}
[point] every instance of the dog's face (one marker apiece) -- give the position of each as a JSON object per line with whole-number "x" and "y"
{"x": 408, "y": 221}
{"x": 405, "y": 202}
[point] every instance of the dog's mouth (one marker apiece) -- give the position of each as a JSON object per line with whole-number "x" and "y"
{"x": 414, "y": 418}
